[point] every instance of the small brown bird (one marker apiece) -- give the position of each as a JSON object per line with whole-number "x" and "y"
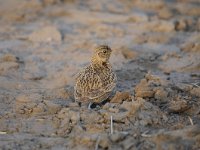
{"x": 96, "y": 81}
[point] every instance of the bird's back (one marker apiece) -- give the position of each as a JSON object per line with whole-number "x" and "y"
{"x": 94, "y": 84}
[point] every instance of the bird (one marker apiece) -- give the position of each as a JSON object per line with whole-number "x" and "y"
{"x": 96, "y": 82}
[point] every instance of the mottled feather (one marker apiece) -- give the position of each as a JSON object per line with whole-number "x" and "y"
{"x": 95, "y": 82}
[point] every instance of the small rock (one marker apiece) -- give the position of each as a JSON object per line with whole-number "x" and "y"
{"x": 46, "y": 34}
{"x": 180, "y": 25}
{"x": 143, "y": 90}
{"x": 151, "y": 77}
{"x": 131, "y": 107}
{"x": 161, "y": 94}
{"x": 149, "y": 86}
{"x": 183, "y": 87}
{"x": 195, "y": 91}
{"x": 127, "y": 105}
{"x": 120, "y": 97}
{"x": 145, "y": 94}
{"x": 178, "y": 106}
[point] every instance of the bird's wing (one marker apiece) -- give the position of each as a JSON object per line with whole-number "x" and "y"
{"x": 111, "y": 82}
{"x": 88, "y": 84}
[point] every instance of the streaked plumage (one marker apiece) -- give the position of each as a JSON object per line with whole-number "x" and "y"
{"x": 97, "y": 80}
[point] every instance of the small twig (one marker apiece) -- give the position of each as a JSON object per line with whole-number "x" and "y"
{"x": 111, "y": 125}
{"x": 145, "y": 134}
{"x": 2, "y": 132}
{"x": 195, "y": 84}
{"x": 191, "y": 122}
{"x": 97, "y": 143}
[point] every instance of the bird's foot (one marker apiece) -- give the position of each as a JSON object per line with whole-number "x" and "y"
{"x": 94, "y": 106}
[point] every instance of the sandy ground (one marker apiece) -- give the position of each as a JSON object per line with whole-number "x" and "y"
{"x": 156, "y": 56}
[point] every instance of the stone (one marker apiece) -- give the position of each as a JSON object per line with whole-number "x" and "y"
{"x": 178, "y": 106}
{"x": 180, "y": 25}
{"x": 161, "y": 94}
{"x": 143, "y": 90}
{"x": 195, "y": 91}
{"x": 120, "y": 97}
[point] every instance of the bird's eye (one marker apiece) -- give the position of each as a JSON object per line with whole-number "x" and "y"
{"x": 104, "y": 51}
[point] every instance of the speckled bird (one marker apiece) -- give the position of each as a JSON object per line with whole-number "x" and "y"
{"x": 95, "y": 82}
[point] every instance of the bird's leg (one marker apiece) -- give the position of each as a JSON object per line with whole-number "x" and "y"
{"x": 103, "y": 102}
{"x": 79, "y": 104}
{"x": 89, "y": 106}
{"x": 95, "y": 106}
{"x": 98, "y": 107}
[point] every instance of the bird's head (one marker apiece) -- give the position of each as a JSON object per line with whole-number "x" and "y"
{"x": 102, "y": 53}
